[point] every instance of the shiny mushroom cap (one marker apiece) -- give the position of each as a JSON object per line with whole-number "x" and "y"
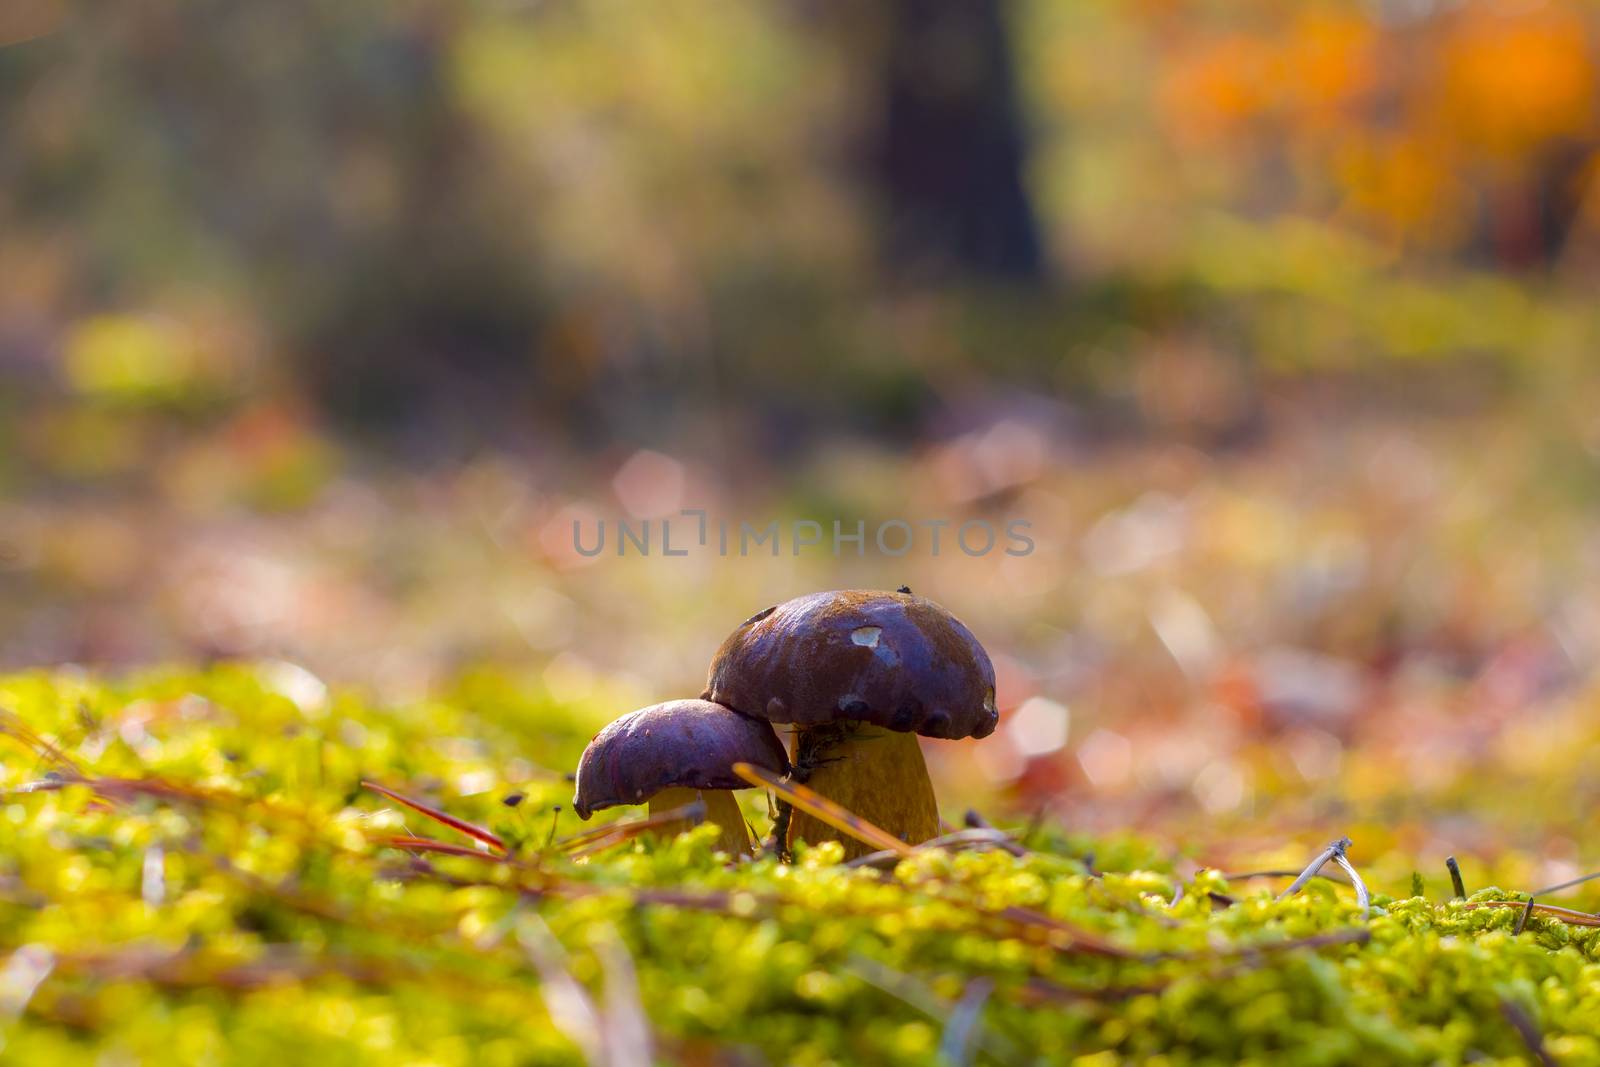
{"x": 691, "y": 744}
{"x": 893, "y": 660}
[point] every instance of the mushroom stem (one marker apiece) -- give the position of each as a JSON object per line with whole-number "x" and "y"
{"x": 721, "y": 808}
{"x": 878, "y": 774}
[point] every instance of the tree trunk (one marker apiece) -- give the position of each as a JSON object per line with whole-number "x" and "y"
{"x": 951, "y": 149}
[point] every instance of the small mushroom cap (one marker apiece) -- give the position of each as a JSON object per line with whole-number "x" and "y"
{"x": 893, "y": 660}
{"x": 688, "y": 743}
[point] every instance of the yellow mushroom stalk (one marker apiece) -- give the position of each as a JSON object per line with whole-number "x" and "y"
{"x": 721, "y": 809}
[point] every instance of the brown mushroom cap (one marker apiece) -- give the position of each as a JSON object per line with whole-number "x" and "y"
{"x": 893, "y": 660}
{"x": 687, "y": 743}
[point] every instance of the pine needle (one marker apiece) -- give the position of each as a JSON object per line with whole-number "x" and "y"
{"x": 821, "y": 808}
{"x": 459, "y": 825}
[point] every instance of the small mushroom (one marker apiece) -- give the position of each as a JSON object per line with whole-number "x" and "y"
{"x": 666, "y": 754}
{"x": 860, "y": 674}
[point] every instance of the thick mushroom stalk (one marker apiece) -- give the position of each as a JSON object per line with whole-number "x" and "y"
{"x": 667, "y": 754}
{"x": 860, "y": 674}
{"x": 878, "y": 774}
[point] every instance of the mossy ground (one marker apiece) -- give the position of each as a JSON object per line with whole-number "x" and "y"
{"x": 192, "y": 872}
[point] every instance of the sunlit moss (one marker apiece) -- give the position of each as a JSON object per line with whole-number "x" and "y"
{"x": 250, "y": 913}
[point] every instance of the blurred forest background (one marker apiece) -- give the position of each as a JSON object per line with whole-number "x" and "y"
{"x": 321, "y": 320}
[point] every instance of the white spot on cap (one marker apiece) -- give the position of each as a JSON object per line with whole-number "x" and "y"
{"x": 866, "y": 636}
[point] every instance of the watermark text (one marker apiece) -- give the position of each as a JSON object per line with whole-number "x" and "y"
{"x": 693, "y": 530}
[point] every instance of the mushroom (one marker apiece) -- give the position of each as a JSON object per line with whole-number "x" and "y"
{"x": 860, "y": 674}
{"x": 669, "y": 753}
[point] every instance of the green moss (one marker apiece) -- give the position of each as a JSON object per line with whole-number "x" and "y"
{"x": 252, "y": 914}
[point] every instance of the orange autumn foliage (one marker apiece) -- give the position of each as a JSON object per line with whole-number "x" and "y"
{"x": 1406, "y": 126}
